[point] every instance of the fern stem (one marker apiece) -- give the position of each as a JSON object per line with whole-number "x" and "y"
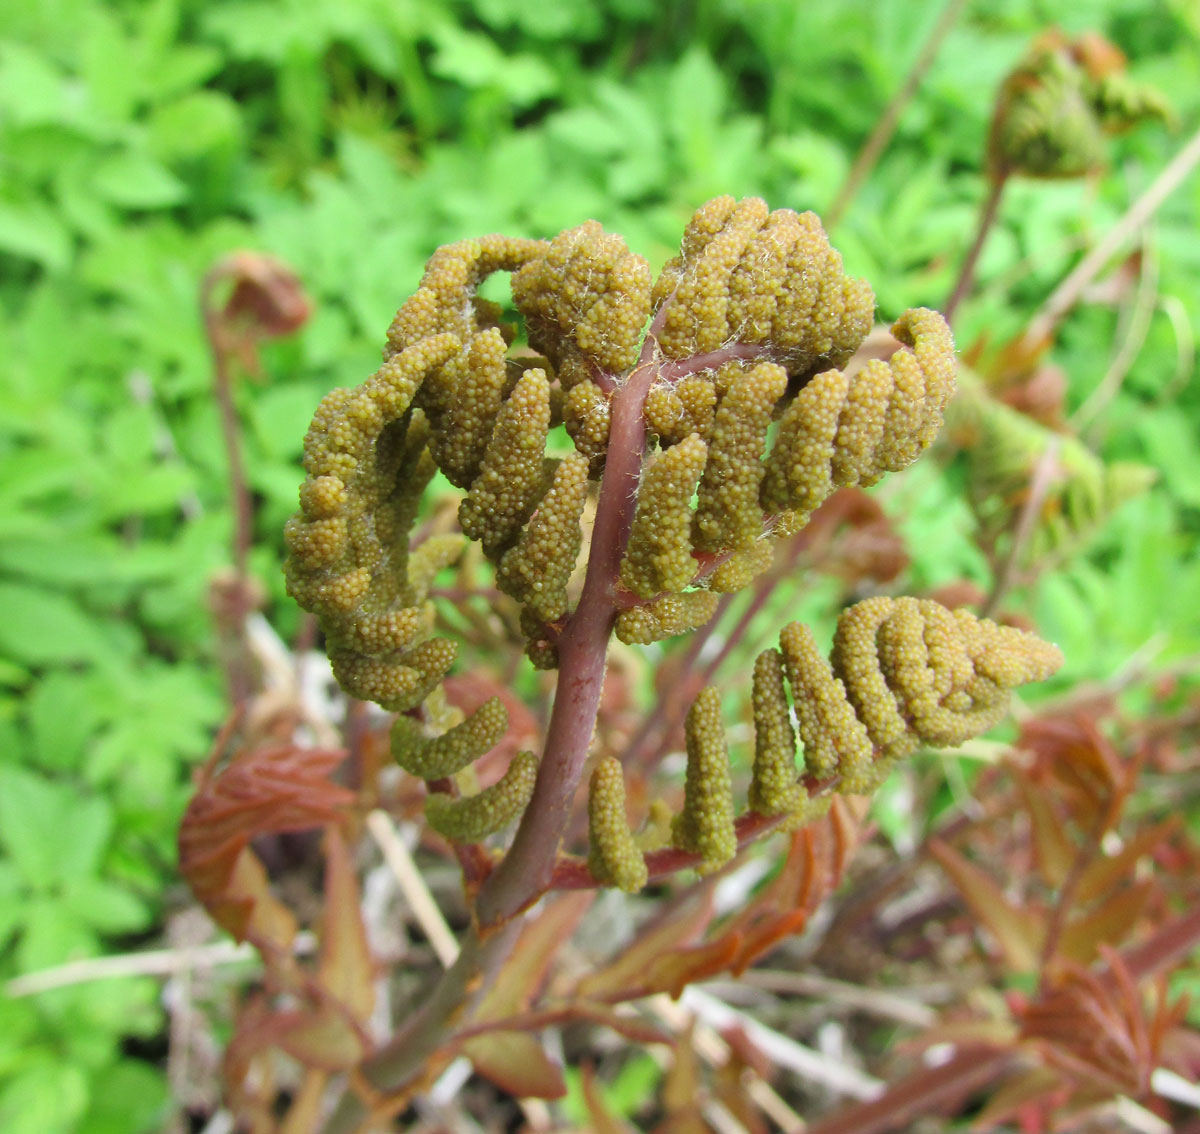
{"x": 1067, "y": 294}
{"x": 886, "y": 124}
{"x": 987, "y": 218}
{"x": 526, "y": 869}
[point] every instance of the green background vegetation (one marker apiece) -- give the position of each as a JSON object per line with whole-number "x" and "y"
{"x": 140, "y": 141}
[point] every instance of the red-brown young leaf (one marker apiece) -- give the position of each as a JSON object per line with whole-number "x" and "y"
{"x": 1019, "y": 931}
{"x": 1022, "y": 1096}
{"x": 524, "y": 972}
{"x": 1095, "y": 1030}
{"x": 1103, "y": 874}
{"x": 817, "y": 856}
{"x": 1109, "y": 923}
{"x": 673, "y": 972}
{"x": 1053, "y": 849}
{"x": 274, "y": 788}
{"x": 673, "y": 928}
{"x": 304, "y": 1113}
{"x": 324, "y": 1037}
{"x": 346, "y": 972}
{"x": 669, "y": 933}
{"x": 516, "y": 1063}
{"x": 601, "y": 1119}
{"x": 681, "y": 1084}
{"x": 1080, "y": 764}
{"x": 515, "y": 1060}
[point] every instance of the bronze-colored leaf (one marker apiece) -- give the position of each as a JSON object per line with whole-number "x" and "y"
{"x": 346, "y": 970}
{"x": 1109, "y": 923}
{"x": 601, "y": 1119}
{"x": 1019, "y": 931}
{"x": 1104, "y": 873}
{"x": 517, "y": 1063}
{"x": 274, "y": 788}
{"x": 674, "y": 929}
{"x": 523, "y": 973}
{"x": 1053, "y": 849}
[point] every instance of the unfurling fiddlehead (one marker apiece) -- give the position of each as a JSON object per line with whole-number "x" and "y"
{"x": 1003, "y": 448}
{"x": 728, "y": 423}
{"x": 1056, "y": 108}
{"x": 755, "y": 310}
{"x": 902, "y": 673}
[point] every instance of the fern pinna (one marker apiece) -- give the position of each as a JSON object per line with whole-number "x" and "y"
{"x": 711, "y": 412}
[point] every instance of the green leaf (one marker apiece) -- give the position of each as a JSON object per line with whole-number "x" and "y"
{"x": 32, "y": 90}
{"x": 477, "y": 63}
{"x": 281, "y": 416}
{"x": 136, "y": 181}
{"x": 38, "y": 627}
{"x": 695, "y": 99}
{"x": 51, "y": 832}
{"x": 47, "y": 1097}
{"x": 128, "y": 1098}
{"x": 194, "y": 125}
{"x": 53, "y": 936}
{"x": 13, "y": 902}
{"x": 33, "y": 232}
{"x": 105, "y": 906}
{"x": 61, "y": 715}
{"x": 19, "y": 1025}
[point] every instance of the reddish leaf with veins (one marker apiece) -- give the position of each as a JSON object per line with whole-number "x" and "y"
{"x": 275, "y": 788}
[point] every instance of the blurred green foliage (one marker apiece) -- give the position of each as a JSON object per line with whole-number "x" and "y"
{"x": 141, "y": 139}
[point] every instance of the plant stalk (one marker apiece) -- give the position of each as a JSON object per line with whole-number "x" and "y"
{"x": 240, "y": 670}
{"x": 885, "y": 127}
{"x": 987, "y": 218}
{"x": 526, "y": 871}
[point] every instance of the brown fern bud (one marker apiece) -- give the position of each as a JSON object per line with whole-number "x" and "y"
{"x": 728, "y": 514}
{"x": 755, "y": 277}
{"x": 367, "y": 458}
{"x": 585, "y": 302}
{"x": 472, "y": 818}
{"x": 396, "y": 682}
{"x": 705, "y": 826}
{"x": 459, "y": 449}
{"x": 586, "y": 415}
{"x": 904, "y": 672}
{"x": 434, "y": 758}
{"x": 613, "y": 853}
{"x": 774, "y": 789}
{"x": 666, "y": 617}
{"x": 841, "y": 430}
{"x": 658, "y": 556}
{"x": 835, "y": 740}
{"x": 502, "y": 497}
{"x": 537, "y": 569}
{"x": 445, "y": 299}
{"x": 743, "y": 567}
{"x": 673, "y": 412}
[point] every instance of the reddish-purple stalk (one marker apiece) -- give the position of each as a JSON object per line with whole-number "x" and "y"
{"x": 525, "y": 872}
{"x": 528, "y": 868}
{"x": 239, "y": 674}
{"x": 987, "y": 218}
